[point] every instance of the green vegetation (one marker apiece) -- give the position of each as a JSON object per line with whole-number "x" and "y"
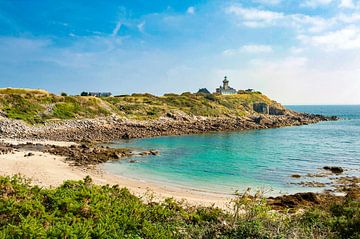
{"x": 145, "y": 106}
{"x": 36, "y": 106}
{"x": 80, "y": 209}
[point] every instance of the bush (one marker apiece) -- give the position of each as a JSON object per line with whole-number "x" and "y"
{"x": 80, "y": 209}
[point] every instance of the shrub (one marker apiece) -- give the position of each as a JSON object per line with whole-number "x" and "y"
{"x": 81, "y": 209}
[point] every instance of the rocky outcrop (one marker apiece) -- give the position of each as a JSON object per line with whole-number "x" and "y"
{"x": 292, "y": 201}
{"x": 276, "y": 110}
{"x": 77, "y": 155}
{"x": 261, "y": 108}
{"x": 113, "y": 128}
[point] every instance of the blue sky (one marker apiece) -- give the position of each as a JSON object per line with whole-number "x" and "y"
{"x": 297, "y": 52}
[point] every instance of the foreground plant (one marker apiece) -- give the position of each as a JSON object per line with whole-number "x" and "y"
{"x": 80, "y": 209}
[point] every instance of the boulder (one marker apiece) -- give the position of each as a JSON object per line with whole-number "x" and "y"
{"x": 261, "y": 108}
{"x": 334, "y": 169}
{"x": 276, "y": 111}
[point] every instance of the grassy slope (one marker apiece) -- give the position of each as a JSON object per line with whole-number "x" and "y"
{"x": 36, "y": 106}
{"x": 79, "y": 209}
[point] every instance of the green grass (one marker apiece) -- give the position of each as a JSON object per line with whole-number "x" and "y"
{"x": 144, "y": 106}
{"x": 80, "y": 209}
{"x": 22, "y": 91}
{"x": 36, "y": 106}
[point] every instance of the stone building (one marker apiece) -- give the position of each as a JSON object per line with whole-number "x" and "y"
{"x": 204, "y": 91}
{"x": 96, "y": 94}
{"x": 225, "y": 89}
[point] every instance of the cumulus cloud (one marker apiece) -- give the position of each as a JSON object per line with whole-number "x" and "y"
{"x": 344, "y": 39}
{"x": 253, "y": 17}
{"x": 248, "y": 49}
{"x": 346, "y": 4}
{"x": 301, "y": 23}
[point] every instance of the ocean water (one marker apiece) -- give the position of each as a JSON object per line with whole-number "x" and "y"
{"x": 259, "y": 159}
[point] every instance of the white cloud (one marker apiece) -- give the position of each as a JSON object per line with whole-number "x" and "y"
{"x": 316, "y": 3}
{"x": 268, "y": 2}
{"x": 311, "y": 23}
{"x": 253, "y": 17}
{"x": 349, "y": 18}
{"x": 190, "y": 10}
{"x": 248, "y": 49}
{"x": 117, "y": 28}
{"x": 289, "y": 63}
{"x": 303, "y": 24}
{"x": 296, "y": 50}
{"x": 345, "y": 39}
{"x": 346, "y": 4}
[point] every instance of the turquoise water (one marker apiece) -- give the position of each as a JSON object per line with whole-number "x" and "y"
{"x": 260, "y": 159}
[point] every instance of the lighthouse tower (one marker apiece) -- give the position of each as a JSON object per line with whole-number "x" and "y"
{"x": 225, "y": 83}
{"x": 225, "y": 89}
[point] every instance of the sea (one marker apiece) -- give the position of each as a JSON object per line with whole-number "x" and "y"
{"x": 263, "y": 160}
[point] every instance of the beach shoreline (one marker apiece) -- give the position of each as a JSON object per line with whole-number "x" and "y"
{"x": 32, "y": 159}
{"x": 47, "y": 170}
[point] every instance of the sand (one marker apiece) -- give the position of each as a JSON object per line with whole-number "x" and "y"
{"x": 48, "y": 170}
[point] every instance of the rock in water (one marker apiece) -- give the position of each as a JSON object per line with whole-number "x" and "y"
{"x": 334, "y": 169}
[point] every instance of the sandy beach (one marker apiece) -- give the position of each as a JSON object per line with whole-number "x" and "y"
{"x": 49, "y": 170}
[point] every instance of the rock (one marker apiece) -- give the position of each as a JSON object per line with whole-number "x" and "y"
{"x": 312, "y": 184}
{"x": 132, "y": 161}
{"x": 292, "y": 201}
{"x": 125, "y": 136}
{"x": 113, "y": 128}
{"x": 261, "y": 108}
{"x": 317, "y": 175}
{"x": 29, "y": 154}
{"x": 334, "y": 169}
{"x": 296, "y": 176}
{"x": 114, "y": 155}
{"x": 144, "y": 153}
{"x": 5, "y": 148}
{"x": 154, "y": 152}
{"x": 353, "y": 194}
{"x": 276, "y": 111}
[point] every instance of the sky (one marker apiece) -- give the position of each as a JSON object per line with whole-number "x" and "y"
{"x": 296, "y": 52}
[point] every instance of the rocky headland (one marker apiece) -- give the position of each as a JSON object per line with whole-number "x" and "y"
{"x": 112, "y": 128}
{"x": 34, "y": 114}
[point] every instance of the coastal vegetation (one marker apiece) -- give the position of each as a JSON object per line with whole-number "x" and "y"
{"x": 81, "y": 209}
{"x": 38, "y": 106}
